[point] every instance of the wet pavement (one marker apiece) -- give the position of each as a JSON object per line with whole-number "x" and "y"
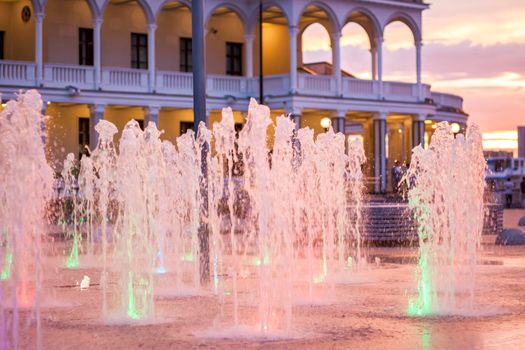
{"x": 369, "y": 311}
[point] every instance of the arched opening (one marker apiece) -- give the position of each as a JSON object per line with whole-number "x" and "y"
{"x": 225, "y": 43}
{"x": 356, "y": 58}
{"x": 315, "y": 43}
{"x": 124, "y": 37}
{"x": 17, "y": 30}
{"x": 68, "y": 39}
{"x": 316, "y": 50}
{"x": 173, "y": 38}
{"x": 399, "y": 53}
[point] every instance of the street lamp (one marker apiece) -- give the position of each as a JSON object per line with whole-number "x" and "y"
{"x": 455, "y": 128}
{"x": 325, "y": 123}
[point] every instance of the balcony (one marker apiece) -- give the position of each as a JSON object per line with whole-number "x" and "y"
{"x": 126, "y": 80}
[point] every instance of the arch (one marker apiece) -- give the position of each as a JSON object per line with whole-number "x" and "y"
{"x": 301, "y": 36}
{"x": 150, "y": 18}
{"x": 91, "y": 3}
{"x": 254, "y": 16}
{"x": 408, "y": 21}
{"x": 186, "y": 3}
{"x": 357, "y": 56}
{"x": 230, "y": 6}
{"x": 373, "y": 29}
{"x": 332, "y": 17}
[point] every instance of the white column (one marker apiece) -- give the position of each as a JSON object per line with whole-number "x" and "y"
{"x": 151, "y": 115}
{"x": 380, "y": 171}
{"x": 293, "y": 30}
{"x": 96, "y": 115}
{"x": 418, "y": 69}
{"x": 39, "y": 53}
{"x": 338, "y": 121}
{"x": 418, "y": 130}
{"x": 379, "y": 47}
{"x": 373, "y": 54}
{"x": 248, "y": 40}
{"x": 151, "y": 56}
{"x": 336, "y": 39}
{"x": 97, "y": 25}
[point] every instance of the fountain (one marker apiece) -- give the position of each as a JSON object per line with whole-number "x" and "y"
{"x": 446, "y": 184}
{"x": 26, "y": 189}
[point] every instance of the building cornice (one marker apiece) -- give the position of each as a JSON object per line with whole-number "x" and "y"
{"x": 400, "y": 4}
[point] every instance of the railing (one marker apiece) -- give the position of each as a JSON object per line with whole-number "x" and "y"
{"x": 125, "y": 79}
{"x": 277, "y": 85}
{"x": 356, "y": 88}
{"x": 175, "y": 82}
{"x": 321, "y": 85}
{"x": 17, "y": 73}
{"x": 220, "y": 86}
{"x": 62, "y": 75}
{"x": 447, "y": 100}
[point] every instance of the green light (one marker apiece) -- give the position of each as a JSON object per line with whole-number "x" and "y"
{"x": 132, "y": 311}
{"x": 322, "y": 277}
{"x": 6, "y": 271}
{"x": 215, "y": 273}
{"x": 72, "y": 260}
{"x": 187, "y": 257}
{"x": 423, "y": 304}
{"x": 265, "y": 261}
{"x": 82, "y": 220}
{"x": 349, "y": 261}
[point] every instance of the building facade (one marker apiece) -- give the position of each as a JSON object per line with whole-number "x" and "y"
{"x": 131, "y": 59}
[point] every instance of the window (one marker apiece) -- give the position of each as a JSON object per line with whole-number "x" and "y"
{"x": 185, "y": 126}
{"x": 85, "y": 46}
{"x": 83, "y": 136}
{"x": 185, "y": 55}
{"x": 233, "y": 59}
{"x": 2, "y": 34}
{"x": 139, "y": 51}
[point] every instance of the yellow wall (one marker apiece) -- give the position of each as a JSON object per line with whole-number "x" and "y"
{"x": 229, "y": 28}
{"x": 61, "y": 32}
{"x": 276, "y": 50}
{"x": 119, "y": 22}
{"x": 169, "y": 121}
{"x": 19, "y": 36}
{"x": 171, "y": 26}
{"x": 120, "y": 116}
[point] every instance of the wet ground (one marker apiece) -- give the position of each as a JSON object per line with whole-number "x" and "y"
{"x": 369, "y": 313}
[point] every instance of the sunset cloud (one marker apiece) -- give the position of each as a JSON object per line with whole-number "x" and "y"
{"x": 472, "y": 48}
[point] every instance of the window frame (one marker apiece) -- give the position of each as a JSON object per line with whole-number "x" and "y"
{"x": 185, "y": 54}
{"x": 137, "y": 44}
{"x": 86, "y": 54}
{"x": 234, "y": 58}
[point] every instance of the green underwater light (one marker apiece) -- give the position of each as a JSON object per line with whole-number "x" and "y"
{"x": 6, "y": 270}
{"x": 132, "y": 310}
{"x": 72, "y": 260}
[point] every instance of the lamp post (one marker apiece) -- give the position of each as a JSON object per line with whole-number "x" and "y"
{"x": 199, "y": 115}
{"x": 261, "y": 78}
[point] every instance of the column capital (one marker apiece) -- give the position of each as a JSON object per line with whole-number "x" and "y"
{"x": 293, "y": 29}
{"x": 380, "y": 115}
{"x": 152, "y": 26}
{"x": 249, "y": 37}
{"x": 40, "y": 16}
{"x": 418, "y": 43}
{"x": 339, "y": 113}
{"x": 420, "y": 117}
{"x": 98, "y": 21}
{"x": 378, "y": 40}
{"x": 336, "y": 35}
{"x": 97, "y": 108}
{"x": 152, "y": 109}
{"x": 293, "y": 110}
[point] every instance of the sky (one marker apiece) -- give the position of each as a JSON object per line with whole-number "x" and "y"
{"x": 473, "y": 48}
